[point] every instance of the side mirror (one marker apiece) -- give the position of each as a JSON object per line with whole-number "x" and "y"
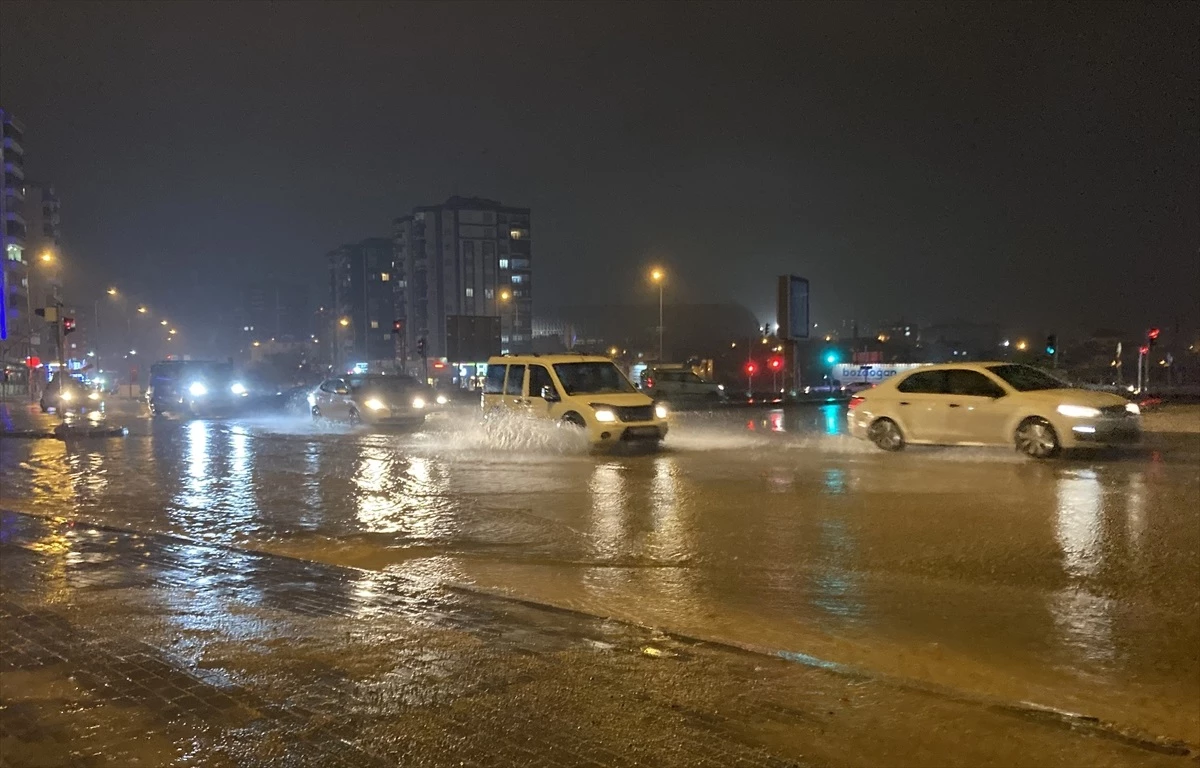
{"x": 549, "y": 395}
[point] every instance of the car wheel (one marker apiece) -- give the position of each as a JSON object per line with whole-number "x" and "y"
{"x": 574, "y": 421}
{"x": 1037, "y": 439}
{"x": 886, "y": 435}
{"x": 316, "y": 413}
{"x": 355, "y": 417}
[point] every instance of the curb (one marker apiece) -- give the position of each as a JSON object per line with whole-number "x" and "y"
{"x": 62, "y": 432}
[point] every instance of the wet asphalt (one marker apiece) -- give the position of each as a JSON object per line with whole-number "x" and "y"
{"x": 973, "y": 575}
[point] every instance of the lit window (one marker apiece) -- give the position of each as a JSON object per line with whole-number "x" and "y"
{"x": 470, "y": 293}
{"x": 374, "y": 323}
{"x": 384, "y": 277}
{"x": 489, "y": 293}
{"x": 518, "y": 278}
{"x": 515, "y": 234}
{"x": 503, "y": 263}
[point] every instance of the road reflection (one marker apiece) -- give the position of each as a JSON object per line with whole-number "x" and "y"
{"x": 1083, "y": 618}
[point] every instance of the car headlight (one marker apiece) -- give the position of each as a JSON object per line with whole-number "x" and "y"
{"x": 197, "y": 389}
{"x": 1133, "y": 408}
{"x": 67, "y": 396}
{"x": 605, "y": 415}
{"x": 93, "y": 396}
{"x": 720, "y": 387}
{"x": 375, "y": 404}
{"x": 418, "y": 402}
{"x": 238, "y": 388}
{"x": 1078, "y": 411}
{"x": 442, "y": 399}
{"x": 660, "y": 411}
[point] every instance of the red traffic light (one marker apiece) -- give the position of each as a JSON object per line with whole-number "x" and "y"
{"x": 1153, "y": 334}
{"x": 397, "y": 326}
{"x": 33, "y": 362}
{"x": 1144, "y": 350}
{"x": 775, "y": 363}
{"x": 68, "y": 325}
{"x": 751, "y": 368}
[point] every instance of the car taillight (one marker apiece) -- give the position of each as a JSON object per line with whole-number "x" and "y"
{"x": 856, "y": 401}
{"x": 650, "y": 383}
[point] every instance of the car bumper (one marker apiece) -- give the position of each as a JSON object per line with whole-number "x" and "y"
{"x": 1101, "y": 432}
{"x": 387, "y": 416}
{"x": 619, "y": 432}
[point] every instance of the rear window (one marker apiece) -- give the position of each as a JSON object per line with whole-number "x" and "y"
{"x": 494, "y": 384}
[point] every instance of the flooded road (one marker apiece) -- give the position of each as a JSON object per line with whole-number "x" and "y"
{"x": 1070, "y": 584}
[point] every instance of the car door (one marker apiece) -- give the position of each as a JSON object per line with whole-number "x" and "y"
{"x": 540, "y": 382}
{"x": 976, "y": 409}
{"x": 514, "y": 389}
{"x": 334, "y": 392}
{"x": 921, "y": 406}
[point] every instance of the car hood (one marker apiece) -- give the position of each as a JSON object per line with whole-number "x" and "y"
{"x": 619, "y": 400}
{"x": 1073, "y": 396}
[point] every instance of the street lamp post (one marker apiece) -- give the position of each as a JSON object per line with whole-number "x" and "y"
{"x": 657, "y": 275}
{"x": 505, "y": 298}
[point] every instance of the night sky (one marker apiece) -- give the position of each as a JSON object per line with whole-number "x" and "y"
{"x": 1026, "y": 164}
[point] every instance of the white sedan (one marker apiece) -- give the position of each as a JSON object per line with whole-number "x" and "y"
{"x": 990, "y": 404}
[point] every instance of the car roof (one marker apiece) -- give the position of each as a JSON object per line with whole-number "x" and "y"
{"x": 546, "y": 359}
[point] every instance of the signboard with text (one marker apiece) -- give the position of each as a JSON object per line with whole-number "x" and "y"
{"x": 792, "y": 308}
{"x": 849, "y": 373}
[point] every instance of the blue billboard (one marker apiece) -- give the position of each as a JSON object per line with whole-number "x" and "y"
{"x": 793, "y": 307}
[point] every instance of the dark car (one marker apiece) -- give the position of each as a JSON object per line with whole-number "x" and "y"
{"x": 194, "y": 388}
{"x": 66, "y": 394}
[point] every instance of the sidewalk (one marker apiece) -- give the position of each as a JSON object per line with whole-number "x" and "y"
{"x": 123, "y": 649}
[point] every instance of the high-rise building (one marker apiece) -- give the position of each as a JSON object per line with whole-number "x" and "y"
{"x": 364, "y": 303}
{"x": 14, "y": 270}
{"x": 467, "y": 256}
{"x": 41, "y": 213}
{"x": 274, "y": 309}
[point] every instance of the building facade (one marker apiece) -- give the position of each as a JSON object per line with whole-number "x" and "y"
{"x": 14, "y": 271}
{"x": 467, "y": 256}
{"x": 278, "y": 310}
{"x": 363, "y": 300}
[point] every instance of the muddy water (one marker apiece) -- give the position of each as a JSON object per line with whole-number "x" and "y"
{"x": 1070, "y": 584}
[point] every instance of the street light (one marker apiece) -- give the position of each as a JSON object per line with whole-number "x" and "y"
{"x": 657, "y": 275}
{"x": 163, "y": 322}
{"x": 47, "y": 256}
{"x": 112, "y": 291}
{"x": 344, "y": 322}
{"x": 142, "y": 310}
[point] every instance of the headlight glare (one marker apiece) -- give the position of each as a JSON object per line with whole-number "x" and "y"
{"x": 418, "y": 403}
{"x": 375, "y": 404}
{"x": 1078, "y": 411}
{"x": 660, "y": 411}
{"x": 197, "y": 389}
{"x": 94, "y": 396}
{"x": 1133, "y": 408}
{"x": 442, "y": 399}
{"x": 238, "y": 388}
{"x": 605, "y": 415}
{"x": 67, "y": 396}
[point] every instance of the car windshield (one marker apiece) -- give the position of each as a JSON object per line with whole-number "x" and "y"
{"x": 1025, "y": 379}
{"x": 382, "y": 384}
{"x": 592, "y": 378}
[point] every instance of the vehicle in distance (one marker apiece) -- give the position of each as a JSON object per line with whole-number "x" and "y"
{"x": 575, "y": 391}
{"x": 197, "y": 388}
{"x": 678, "y": 385}
{"x": 66, "y": 394}
{"x": 990, "y": 404}
{"x": 378, "y": 399}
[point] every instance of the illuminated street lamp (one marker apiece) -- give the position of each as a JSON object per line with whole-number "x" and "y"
{"x": 162, "y": 322}
{"x": 1022, "y": 345}
{"x": 47, "y": 257}
{"x": 142, "y": 310}
{"x": 345, "y": 321}
{"x": 657, "y": 275}
{"x": 172, "y": 331}
{"x": 112, "y": 291}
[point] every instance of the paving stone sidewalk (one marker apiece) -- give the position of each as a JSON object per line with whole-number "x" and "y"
{"x": 127, "y": 649}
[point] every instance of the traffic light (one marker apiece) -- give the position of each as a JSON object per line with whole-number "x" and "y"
{"x": 397, "y": 327}
{"x": 775, "y": 363}
{"x": 1152, "y": 337}
{"x": 1051, "y": 344}
{"x": 68, "y": 325}
{"x": 751, "y": 368}
{"x": 832, "y": 357}
{"x": 421, "y": 347}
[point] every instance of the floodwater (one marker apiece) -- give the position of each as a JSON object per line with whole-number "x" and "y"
{"x": 1070, "y": 584}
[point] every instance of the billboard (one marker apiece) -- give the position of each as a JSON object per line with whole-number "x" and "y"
{"x": 792, "y": 313}
{"x": 851, "y": 373}
{"x": 472, "y": 338}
